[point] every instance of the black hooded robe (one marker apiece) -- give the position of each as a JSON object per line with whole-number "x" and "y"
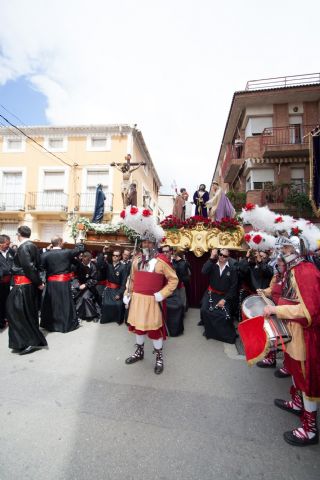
{"x": 22, "y": 303}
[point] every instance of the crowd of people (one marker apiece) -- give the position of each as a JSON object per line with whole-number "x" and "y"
{"x": 292, "y": 280}
{"x": 125, "y": 286}
{"x": 65, "y": 287}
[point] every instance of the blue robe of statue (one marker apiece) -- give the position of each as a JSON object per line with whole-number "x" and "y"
{"x": 200, "y": 203}
{"x": 99, "y": 206}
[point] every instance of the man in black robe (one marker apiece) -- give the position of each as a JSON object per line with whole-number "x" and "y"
{"x": 22, "y": 303}
{"x": 99, "y": 205}
{"x": 255, "y": 271}
{"x": 217, "y": 300}
{"x": 6, "y": 261}
{"x": 87, "y": 299}
{"x": 174, "y": 303}
{"x": 116, "y": 277}
{"x": 58, "y": 312}
{"x": 126, "y": 260}
{"x": 183, "y": 271}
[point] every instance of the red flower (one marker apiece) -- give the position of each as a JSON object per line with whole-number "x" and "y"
{"x": 249, "y": 206}
{"x": 146, "y": 213}
{"x": 134, "y": 210}
{"x": 163, "y": 239}
{"x": 278, "y": 220}
{"x": 295, "y": 231}
{"x": 257, "y": 239}
{"x": 247, "y": 237}
{"x": 123, "y": 214}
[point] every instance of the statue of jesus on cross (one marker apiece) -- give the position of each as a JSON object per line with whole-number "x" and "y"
{"x": 126, "y": 170}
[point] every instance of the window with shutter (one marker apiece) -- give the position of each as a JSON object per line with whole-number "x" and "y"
{"x": 53, "y": 181}
{"x": 12, "y": 196}
{"x": 9, "y": 229}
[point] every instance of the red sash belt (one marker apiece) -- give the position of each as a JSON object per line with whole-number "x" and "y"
{"x": 102, "y": 282}
{"x": 5, "y": 279}
{"x": 213, "y": 290}
{"x": 180, "y": 285}
{"x": 61, "y": 277}
{"x": 21, "y": 280}
{"x": 148, "y": 283}
{"x": 111, "y": 285}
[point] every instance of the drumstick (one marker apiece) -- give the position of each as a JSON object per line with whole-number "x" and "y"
{"x": 267, "y": 300}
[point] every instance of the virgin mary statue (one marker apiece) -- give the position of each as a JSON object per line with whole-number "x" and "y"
{"x": 219, "y": 206}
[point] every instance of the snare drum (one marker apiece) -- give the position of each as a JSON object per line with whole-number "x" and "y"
{"x": 253, "y": 306}
{"x": 276, "y": 329}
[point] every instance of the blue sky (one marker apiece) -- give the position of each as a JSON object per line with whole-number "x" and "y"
{"x": 171, "y": 67}
{"x": 23, "y": 100}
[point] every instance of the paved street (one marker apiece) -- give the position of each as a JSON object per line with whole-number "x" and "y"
{"x": 76, "y": 411}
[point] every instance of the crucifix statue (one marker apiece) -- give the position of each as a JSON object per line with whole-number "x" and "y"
{"x": 126, "y": 169}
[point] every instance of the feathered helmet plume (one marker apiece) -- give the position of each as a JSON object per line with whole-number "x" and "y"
{"x": 262, "y": 218}
{"x": 143, "y": 222}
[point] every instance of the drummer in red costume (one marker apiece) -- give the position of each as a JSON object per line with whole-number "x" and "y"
{"x": 300, "y": 305}
{"x": 152, "y": 280}
{"x": 274, "y": 292}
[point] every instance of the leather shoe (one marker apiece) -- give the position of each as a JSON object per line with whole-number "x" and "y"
{"x": 279, "y": 374}
{"x": 282, "y": 404}
{"x": 300, "y": 442}
{"x": 200, "y": 324}
{"x": 263, "y": 364}
{"x": 29, "y": 349}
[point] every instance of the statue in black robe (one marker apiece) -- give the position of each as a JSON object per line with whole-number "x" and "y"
{"x": 200, "y": 198}
{"x": 99, "y": 205}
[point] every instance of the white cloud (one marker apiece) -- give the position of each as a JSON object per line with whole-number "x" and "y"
{"x": 169, "y": 66}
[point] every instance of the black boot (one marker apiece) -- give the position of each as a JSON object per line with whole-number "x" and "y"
{"x": 138, "y": 355}
{"x": 158, "y": 368}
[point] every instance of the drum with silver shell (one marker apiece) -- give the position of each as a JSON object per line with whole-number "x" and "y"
{"x": 275, "y": 328}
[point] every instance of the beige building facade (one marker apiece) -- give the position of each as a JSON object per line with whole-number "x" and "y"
{"x": 45, "y": 188}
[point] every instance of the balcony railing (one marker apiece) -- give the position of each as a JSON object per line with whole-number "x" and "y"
{"x": 280, "y": 193}
{"x": 86, "y": 202}
{"x": 282, "y": 82}
{"x": 290, "y": 135}
{"x": 292, "y": 198}
{"x": 12, "y": 202}
{"x": 49, "y": 201}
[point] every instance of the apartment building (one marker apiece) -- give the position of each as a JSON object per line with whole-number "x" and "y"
{"x": 265, "y": 146}
{"x": 45, "y": 189}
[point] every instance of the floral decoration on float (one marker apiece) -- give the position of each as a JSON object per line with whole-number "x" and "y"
{"x": 82, "y": 228}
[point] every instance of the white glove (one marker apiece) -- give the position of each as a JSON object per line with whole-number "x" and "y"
{"x": 126, "y": 299}
{"x": 158, "y": 297}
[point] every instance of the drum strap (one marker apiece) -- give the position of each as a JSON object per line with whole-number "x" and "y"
{"x": 277, "y": 334}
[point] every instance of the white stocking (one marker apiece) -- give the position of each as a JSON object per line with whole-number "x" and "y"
{"x": 309, "y": 405}
{"x": 140, "y": 339}
{"x": 157, "y": 344}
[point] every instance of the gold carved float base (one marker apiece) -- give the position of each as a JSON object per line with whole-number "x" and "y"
{"x": 200, "y": 240}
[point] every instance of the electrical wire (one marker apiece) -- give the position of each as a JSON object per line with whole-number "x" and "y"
{"x": 38, "y": 144}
